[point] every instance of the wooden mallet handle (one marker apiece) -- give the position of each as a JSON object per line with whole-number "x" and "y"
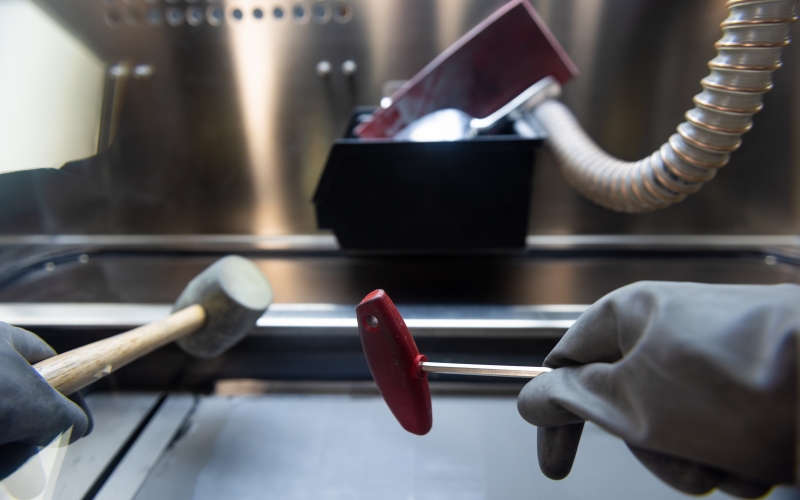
{"x": 73, "y": 370}
{"x": 215, "y": 311}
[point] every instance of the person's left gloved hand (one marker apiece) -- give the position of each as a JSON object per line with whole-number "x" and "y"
{"x": 32, "y": 413}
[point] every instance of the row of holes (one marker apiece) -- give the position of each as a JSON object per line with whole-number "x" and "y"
{"x": 157, "y": 1}
{"x": 321, "y": 13}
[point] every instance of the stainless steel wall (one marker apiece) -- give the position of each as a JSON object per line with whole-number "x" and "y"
{"x": 230, "y": 132}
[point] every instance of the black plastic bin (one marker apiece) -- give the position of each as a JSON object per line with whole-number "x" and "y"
{"x": 398, "y": 195}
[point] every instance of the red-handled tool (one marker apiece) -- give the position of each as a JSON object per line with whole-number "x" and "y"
{"x": 400, "y": 371}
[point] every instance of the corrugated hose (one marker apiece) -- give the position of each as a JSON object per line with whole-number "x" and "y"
{"x": 747, "y": 54}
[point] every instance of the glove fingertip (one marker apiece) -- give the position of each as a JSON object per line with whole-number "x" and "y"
{"x": 78, "y": 399}
{"x": 75, "y": 416}
{"x": 81, "y": 427}
{"x": 556, "y": 449}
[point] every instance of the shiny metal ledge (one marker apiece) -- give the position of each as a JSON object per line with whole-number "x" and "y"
{"x": 544, "y": 321}
{"x": 325, "y": 242}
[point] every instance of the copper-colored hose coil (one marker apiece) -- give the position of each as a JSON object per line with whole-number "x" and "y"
{"x": 748, "y": 53}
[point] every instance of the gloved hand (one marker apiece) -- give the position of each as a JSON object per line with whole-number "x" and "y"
{"x": 699, "y": 380}
{"x": 31, "y": 412}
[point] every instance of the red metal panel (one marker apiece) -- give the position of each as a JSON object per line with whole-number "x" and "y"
{"x": 498, "y": 59}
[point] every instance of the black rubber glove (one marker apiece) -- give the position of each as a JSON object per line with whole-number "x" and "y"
{"x": 699, "y": 380}
{"x": 32, "y": 413}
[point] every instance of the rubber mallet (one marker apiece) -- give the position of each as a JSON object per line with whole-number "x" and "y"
{"x": 401, "y": 372}
{"x": 214, "y": 312}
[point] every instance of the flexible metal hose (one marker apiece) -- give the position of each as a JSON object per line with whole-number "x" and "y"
{"x": 748, "y": 53}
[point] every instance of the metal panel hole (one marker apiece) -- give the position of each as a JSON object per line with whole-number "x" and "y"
{"x": 174, "y": 16}
{"x": 195, "y": 16}
{"x": 134, "y": 17}
{"x": 113, "y": 17}
{"x": 342, "y": 13}
{"x": 215, "y": 15}
{"x": 321, "y": 13}
{"x": 154, "y": 16}
{"x": 300, "y": 13}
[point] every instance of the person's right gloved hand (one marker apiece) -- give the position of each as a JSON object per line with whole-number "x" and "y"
{"x": 701, "y": 381}
{"x": 32, "y": 413}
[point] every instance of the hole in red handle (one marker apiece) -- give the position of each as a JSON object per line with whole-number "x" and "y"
{"x": 371, "y": 322}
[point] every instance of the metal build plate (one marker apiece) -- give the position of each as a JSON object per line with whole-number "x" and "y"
{"x": 119, "y": 283}
{"x": 343, "y": 447}
{"x": 555, "y": 270}
{"x": 506, "y": 309}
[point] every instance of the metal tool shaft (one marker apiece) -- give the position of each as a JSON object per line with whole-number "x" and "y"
{"x": 485, "y": 370}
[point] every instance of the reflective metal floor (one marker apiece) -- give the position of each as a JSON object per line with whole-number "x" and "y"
{"x": 331, "y": 447}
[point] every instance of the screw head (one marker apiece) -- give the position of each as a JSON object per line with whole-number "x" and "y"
{"x": 324, "y": 68}
{"x": 349, "y": 67}
{"x": 142, "y": 71}
{"x": 118, "y": 70}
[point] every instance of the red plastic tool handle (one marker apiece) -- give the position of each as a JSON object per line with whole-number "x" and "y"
{"x": 394, "y": 361}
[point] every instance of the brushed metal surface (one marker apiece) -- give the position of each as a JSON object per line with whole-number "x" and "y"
{"x": 223, "y": 127}
{"x": 136, "y": 465}
{"x": 537, "y": 277}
